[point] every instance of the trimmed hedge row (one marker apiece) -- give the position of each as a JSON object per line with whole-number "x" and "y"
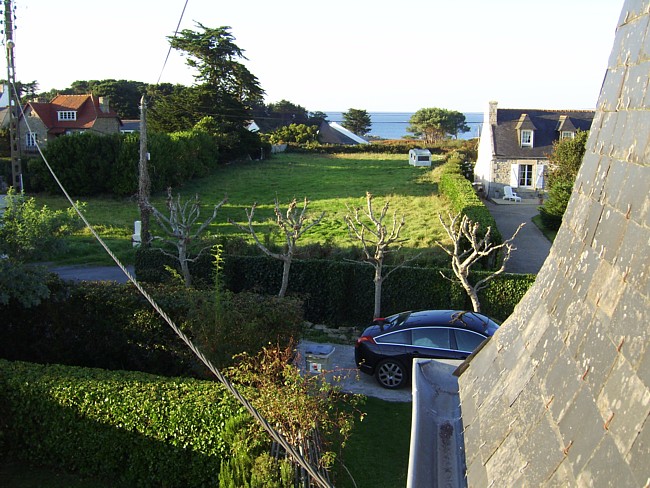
{"x": 90, "y": 164}
{"x": 102, "y": 325}
{"x": 111, "y": 326}
{"x": 131, "y": 428}
{"x": 342, "y": 293}
{"x": 463, "y": 198}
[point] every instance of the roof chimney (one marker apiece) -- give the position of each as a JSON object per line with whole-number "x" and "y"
{"x": 493, "y": 113}
{"x": 104, "y": 104}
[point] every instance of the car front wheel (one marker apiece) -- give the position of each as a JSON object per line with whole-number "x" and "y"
{"x": 391, "y": 374}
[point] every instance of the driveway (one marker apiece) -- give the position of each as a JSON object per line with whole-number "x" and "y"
{"x": 532, "y": 247}
{"x": 342, "y": 371}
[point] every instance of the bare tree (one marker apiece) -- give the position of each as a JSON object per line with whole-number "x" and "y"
{"x": 178, "y": 229}
{"x": 461, "y": 230}
{"x": 293, "y": 224}
{"x": 377, "y": 241}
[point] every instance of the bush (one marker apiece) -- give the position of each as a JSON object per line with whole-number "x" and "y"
{"x": 29, "y": 233}
{"x": 131, "y": 428}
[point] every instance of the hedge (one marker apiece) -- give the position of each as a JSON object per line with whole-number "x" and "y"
{"x": 111, "y": 326}
{"x": 131, "y": 428}
{"x": 89, "y": 164}
{"x": 341, "y": 292}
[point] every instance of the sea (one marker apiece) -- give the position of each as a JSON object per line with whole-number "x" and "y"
{"x": 392, "y": 125}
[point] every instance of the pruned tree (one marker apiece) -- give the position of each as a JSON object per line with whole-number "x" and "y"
{"x": 183, "y": 217}
{"x": 462, "y": 231}
{"x": 377, "y": 241}
{"x": 293, "y": 223}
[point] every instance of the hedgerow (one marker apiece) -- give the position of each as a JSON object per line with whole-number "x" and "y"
{"x": 111, "y": 326}
{"x": 341, "y": 292}
{"x": 463, "y": 198}
{"x": 132, "y": 428}
{"x": 89, "y": 164}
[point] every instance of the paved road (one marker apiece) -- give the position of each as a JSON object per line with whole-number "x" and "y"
{"x": 92, "y": 273}
{"x": 532, "y": 246}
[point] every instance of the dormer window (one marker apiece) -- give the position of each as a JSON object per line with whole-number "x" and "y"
{"x": 67, "y": 115}
{"x": 526, "y": 130}
{"x": 526, "y": 138}
{"x": 567, "y": 134}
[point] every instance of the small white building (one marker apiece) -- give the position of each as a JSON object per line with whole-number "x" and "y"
{"x": 420, "y": 157}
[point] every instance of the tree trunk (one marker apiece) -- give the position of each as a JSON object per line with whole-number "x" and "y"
{"x": 285, "y": 277}
{"x": 473, "y": 296}
{"x": 378, "y": 282}
{"x": 185, "y": 267}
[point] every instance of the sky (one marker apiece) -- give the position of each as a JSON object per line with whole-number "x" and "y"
{"x": 374, "y": 55}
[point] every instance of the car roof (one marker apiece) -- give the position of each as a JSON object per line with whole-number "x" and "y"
{"x": 435, "y": 318}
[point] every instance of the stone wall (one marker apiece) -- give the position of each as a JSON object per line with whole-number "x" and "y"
{"x": 561, "y": 395}
{"x": 501, "y": 177}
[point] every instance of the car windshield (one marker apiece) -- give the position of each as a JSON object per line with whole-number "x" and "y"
{"x": 474, "y": 319}
{"x": 397, "y": 319}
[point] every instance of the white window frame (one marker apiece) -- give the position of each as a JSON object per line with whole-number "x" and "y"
{"x": 66, "y": 115}
{"x": 526, "y": 176}
{"x": 567, "y": 134}
{"x": 526, "y": 138}
{"x": 31, "y": 139}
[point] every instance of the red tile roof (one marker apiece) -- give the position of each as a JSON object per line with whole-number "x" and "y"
{"x": 87, "y": 107}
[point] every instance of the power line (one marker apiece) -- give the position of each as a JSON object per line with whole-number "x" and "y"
{"x": 170, "y": 47}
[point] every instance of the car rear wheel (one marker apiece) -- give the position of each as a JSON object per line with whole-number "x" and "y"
{"x": 391, "y": 374}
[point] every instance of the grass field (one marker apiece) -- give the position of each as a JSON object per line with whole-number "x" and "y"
{"x": 331, "y": 183}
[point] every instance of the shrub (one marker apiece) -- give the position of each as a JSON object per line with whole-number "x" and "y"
{"x": 131, "y": 428}
{"x": 29, "y": 233}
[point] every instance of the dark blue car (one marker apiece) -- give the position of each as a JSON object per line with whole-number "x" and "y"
{"x": 387, "y": 348}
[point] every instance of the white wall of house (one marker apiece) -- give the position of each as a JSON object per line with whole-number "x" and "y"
{"x": 483, "y": 168}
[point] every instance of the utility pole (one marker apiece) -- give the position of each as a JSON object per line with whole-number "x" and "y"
{"x": 144, "y": 184}
{"x": 14, "y": 100}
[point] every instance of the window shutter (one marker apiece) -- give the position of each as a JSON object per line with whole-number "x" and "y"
{"x": 539, "y": 181}
{"x": 514, "y": 175}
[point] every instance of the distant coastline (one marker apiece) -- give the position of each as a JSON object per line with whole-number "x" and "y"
{"x": 392, "y": 125}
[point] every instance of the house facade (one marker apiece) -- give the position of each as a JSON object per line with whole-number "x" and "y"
{"x": 64, "y": 115}
{"x": 515, "y": 145}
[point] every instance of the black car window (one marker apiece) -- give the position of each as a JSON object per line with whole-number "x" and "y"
{"x": 468, "y": 340}
{"x": 399, "y": 337}
{"x": 437, "y": 337}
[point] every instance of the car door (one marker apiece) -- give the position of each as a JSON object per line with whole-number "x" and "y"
{"x": 467, "y": 340}
{"x": 394, "y": 344}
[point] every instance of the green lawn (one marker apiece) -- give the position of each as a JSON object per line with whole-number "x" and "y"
{"x": 548, "y": 233}
{"x": 377, "y": 452}
{"x": 330, "y": 182}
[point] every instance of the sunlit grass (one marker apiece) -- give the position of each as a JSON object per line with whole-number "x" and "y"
{"x": 332, "y": 183}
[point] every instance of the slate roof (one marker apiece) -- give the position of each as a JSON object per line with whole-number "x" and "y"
{"x": 545, "y": 123}
{"x": 87, "y": 107}
{"x": 333, "y": 133}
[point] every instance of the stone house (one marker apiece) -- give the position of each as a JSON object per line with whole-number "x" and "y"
{"x": 64, "y": 115}
{"x": 515, "y": 145}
